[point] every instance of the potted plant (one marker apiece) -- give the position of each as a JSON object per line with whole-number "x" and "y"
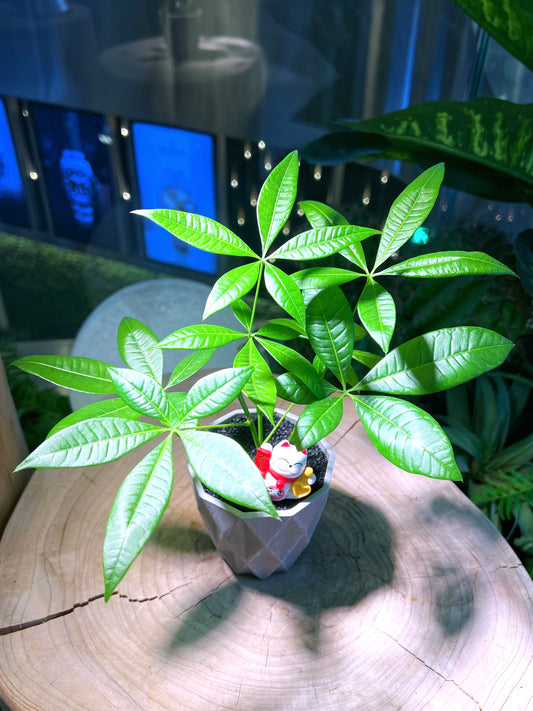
{"x": 339, "y": 372}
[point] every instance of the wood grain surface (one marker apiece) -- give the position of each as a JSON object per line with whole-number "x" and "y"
{"x": 12, "y": 451}
{"x": 406, "y": 598}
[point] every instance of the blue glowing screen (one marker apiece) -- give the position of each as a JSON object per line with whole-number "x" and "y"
{"x": 13, "y": 210}
{"x": 175, "y": 171}
{"x": 76, "y": 159}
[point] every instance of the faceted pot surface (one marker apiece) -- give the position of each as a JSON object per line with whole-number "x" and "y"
{"x": 253, "y": 542}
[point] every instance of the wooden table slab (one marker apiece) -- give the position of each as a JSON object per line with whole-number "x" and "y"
{"x": 407, "y": 598}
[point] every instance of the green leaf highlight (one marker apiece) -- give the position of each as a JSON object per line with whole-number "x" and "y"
{"x": 137, "y": 345}
{"x": 276, "y": 199}
{"x": 448, "y": 264}
{"x": 377, "y": 312}
{"x": 73, "y": 372}
{"x": 138, "y": 507}
{"x": 407, "y": 436}
{"x": 192, "y": 338}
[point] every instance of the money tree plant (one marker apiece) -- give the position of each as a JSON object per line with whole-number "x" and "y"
{"x": 319, "y": 316}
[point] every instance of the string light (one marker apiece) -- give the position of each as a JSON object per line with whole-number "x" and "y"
{"x": 261, "y": 145}
{"x": 33, "y": 175}
{"x": 124, "y": 131}
{"x": 126, "y": 196}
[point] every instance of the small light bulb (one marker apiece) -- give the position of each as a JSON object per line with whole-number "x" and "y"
{"x": 286, "y": 230}
{"x": 126, "y": 195}
{"x": 384, "y": 178}
{"x": 366, "y": 200}
{"x": 33, "y": 175}
{"x": 268, "y": 166}
{"x": 25, "y": 113}
{"x": 261, "y": 145}
{"x": 124, "y": 131}
{"x": 234, "y": 183}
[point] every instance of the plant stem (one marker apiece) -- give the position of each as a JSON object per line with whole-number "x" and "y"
{"x": 256, "y": 298}
{"x": 278, "y": 423}
{"x": 251, "y": 424}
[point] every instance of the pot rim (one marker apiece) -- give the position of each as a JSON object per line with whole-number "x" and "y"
{"x": 283, "y": 513}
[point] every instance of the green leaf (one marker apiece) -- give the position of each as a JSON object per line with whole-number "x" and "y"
{"x": 281, "y": 331}
{"x": 321, "y": 242}
{"x": 448, "y": 264}
{"x": 276, "y": 199}
{"x": 318, "y": 420}
{"x": 368, "y": 359}
{"x": 136, "y": 511}
{"x": 407, "y": 436}
{"x": 437, "y": 360}
{"x": 322, "y": 277}
{"x": 261, "y": 387}
{"x": 510, "y": 23}
{"x": 242, "y": 312}
{"x": 515, "y": 455}
{"x": 114, "y": 407}
{"x": 377, "y": 312}
{"x": 231, "y": 286}
{"x": 192, "y": 338}
{"x": 214, "y": 391}
{"x": 296, "y": 364}
{"x": 73, "y": 372}
{"x": 284, "y": 291}
{"x": 189, "y": 365}
{"x": 330, "y": 330}
{"x": 137, "y": 345}
{"x": 200, "y": 232}
{"x": 321, "y": 215}
{"x": 283, "y": 323}
{"x": 91, "y": 442}
{"x": 141, "y": 392}
{"x": 217, "y": 459}
{"x": 409, "y": 211}
{"x": 293, "y": 390}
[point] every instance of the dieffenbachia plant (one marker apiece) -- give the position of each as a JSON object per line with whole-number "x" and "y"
{"x": 317, "y": 313}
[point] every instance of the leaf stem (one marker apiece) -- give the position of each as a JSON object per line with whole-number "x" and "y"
{"x": 256, "y": 298}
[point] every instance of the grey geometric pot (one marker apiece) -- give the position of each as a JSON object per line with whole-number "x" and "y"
{"x": 253, "y": 542}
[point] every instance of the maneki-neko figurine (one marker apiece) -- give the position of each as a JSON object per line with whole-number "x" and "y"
{"x": 285, "y": 470}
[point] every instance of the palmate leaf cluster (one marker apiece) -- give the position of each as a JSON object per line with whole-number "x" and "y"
{"x": 318, "y": 314}
{"x": 485, "y": 423}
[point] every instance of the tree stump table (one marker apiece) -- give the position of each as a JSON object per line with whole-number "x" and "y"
{"x": 406, "y": 598}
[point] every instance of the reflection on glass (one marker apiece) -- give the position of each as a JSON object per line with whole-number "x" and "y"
{"x": 75, "y": 153}
{"x": 13, "y": 209}
{"x": 175, "y": 171}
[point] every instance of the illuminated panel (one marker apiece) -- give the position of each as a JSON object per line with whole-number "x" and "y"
{"x": 13, "y": 208}
{"x": 175, "y": 171}
{"x": 75, "y": 149}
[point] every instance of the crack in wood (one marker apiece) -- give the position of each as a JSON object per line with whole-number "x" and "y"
{"x": 52, "y": 616}
{"x": 438, "y": 673}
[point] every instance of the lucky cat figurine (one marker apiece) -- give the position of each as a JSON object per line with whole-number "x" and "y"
{"x": 285, "y": 470}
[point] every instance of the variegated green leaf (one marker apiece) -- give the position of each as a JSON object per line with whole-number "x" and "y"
{"x": 407, "y": 436}
{"x": 137, "y": 345}
{"x": 91, "y": 442}
{"x": 377, "y": 312}
{"x": 231, "y": 286}
{"x": 200, "y": 232}
{"x": 276, "y": 199}
{"x": 215, "y": 459}
{"x": 138, "y": 507}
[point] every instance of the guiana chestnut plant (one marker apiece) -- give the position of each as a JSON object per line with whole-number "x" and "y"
{"x": 318, "y": 314}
